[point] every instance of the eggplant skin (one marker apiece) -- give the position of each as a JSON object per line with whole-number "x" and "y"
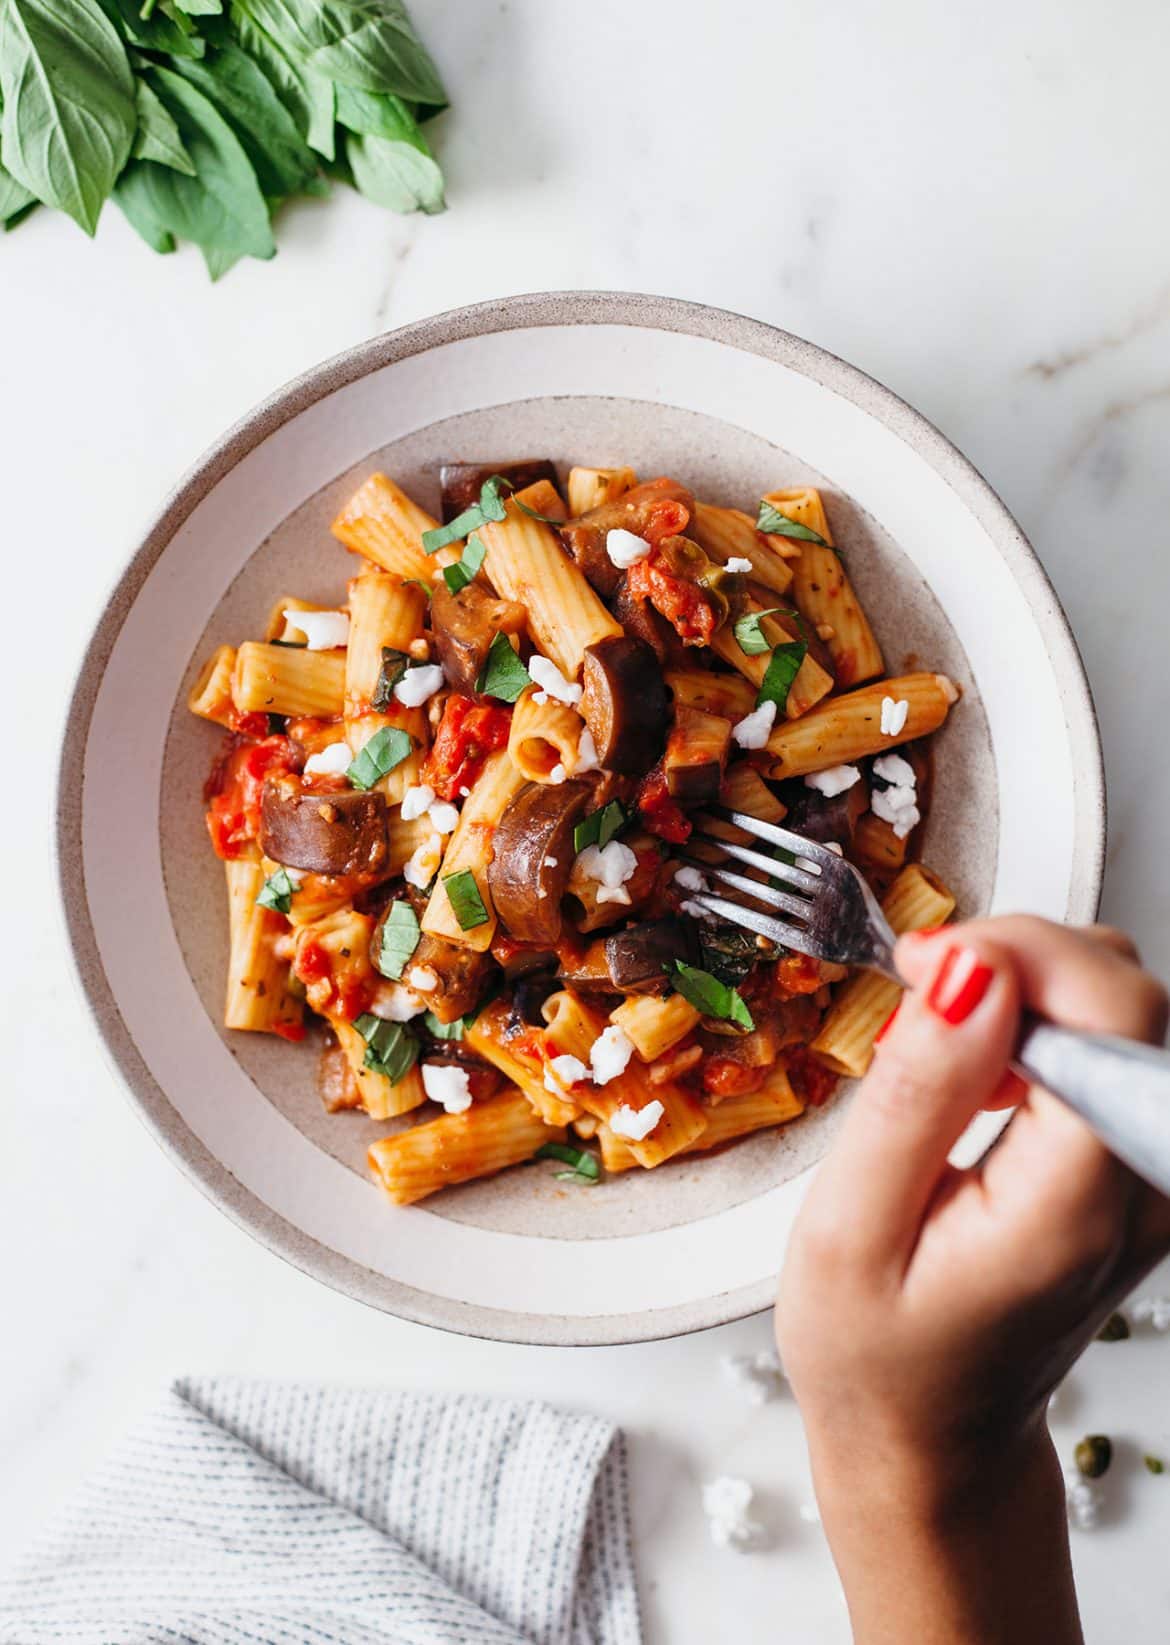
{"x": 638, "y": 957}
{"x": 323, "y": 833}
{"x": 463, "y": 482}
{"x": 635, "y": 511}
{"x": 625, "y": 704}
{"x": 526, "y": 889}
{"x": 462, "y": 975}
{"x": 820, "y": 818}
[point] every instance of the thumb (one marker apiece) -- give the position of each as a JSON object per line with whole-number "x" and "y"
{"x": 940, "y": 1061}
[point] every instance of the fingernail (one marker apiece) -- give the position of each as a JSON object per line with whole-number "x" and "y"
{"x": 959, "y": 984}
{"x": 924, "y": 931}
{"x": 887, "y": 1025}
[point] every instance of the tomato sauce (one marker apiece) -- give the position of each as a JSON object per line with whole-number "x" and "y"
{"x": 661, "y": 813}
{"x": 234, "y": 789}
{"x": 811, "y": 1080}
{"x": 681, "y": 602}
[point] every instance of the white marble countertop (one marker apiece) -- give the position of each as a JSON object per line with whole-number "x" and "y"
{"x": 968, "y": 203}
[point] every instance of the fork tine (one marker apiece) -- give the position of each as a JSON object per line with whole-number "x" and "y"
{"x": 788, "y": 936}
{"x": 811, "y": 850}
{"x": 788, "y": 872}
{"x": 762, "y": 893}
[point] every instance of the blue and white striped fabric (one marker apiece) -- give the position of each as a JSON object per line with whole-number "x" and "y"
{"x": 249, "y": 1513}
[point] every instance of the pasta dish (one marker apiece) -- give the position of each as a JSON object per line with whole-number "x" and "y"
{"x": 453, "y": 810}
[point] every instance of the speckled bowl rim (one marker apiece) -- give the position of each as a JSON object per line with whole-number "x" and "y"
{"x": 518, "y": 313}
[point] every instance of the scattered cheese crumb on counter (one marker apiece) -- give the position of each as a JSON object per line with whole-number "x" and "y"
{"x": 636, "y": 1123}
{"x": 810, "y": 1513}
{"x": 759, "y": 1377}
{"x": 1153, "y": 1311}
{"x": 755, "y": 728}
{"x": 419, "y": 684}
{"x": 333, "y": 761}
{"x": 625, "y": 548}
{"x": 324, "y": 630}
{"x": 610, "y": 1053}
{"x": 836, "y": 780}
{"x": 1084, "y": 1502}
{"x": 450, "y": 1087}
{"x": 726, "y": 1503}
{"x": 894, "y": 715}
{"x": 551, "y": 682}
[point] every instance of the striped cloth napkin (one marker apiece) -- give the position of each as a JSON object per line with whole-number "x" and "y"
{"x": 254, "y": 1513}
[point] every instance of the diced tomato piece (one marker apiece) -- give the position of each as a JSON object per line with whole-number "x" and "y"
{"x": 797, "y": 974}
{"x": 233, "y": 790}
{"x": 290, "y": 1030}
{"x": 724, "y": 1077}
{"x": 250, "y": 725}
{"x": 467, "y": 734}
{"x": 312, "y": 962}
{"x": 661, "y": 813}
{"x": 683, "y": 603}
{"x": 666, "y": 517}
{"x": 810, "y": 1079}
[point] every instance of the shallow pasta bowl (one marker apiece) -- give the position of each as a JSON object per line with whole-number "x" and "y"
{"x": 732, "y": 407}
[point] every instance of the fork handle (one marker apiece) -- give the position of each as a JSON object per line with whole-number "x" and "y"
{"x": 1119, "y": 1087}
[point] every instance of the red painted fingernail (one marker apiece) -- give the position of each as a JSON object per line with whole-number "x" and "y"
{"x": 959, "y": 984}
{"x": 925, "y": 931}
{"x": 887, "y": 1025}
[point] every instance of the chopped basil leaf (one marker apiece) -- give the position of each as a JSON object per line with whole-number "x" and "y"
{"x": 466, "y": 902}
{"x": 782, "y": 670}
{"x": 545, "y": 519}
{"x": 748, "y": 635}
{"x": 417, "y": 582}
{"x": 599, "y": 827}
{"x": 276, "y": 724}
{"x": 400, "y": 934}
{"x": 444, "y": 1030}
{"x": 390, "y": 1049}
{"x": 385, "y": 749}
{"x": 277, "y": 892}
{"x": 710, "y": 996}
{"x": 775, "y": 524}
{"x": 458, "y": 576}
{"x": 394, "y": 666}
{"x": 503, "y": 674}
{"x": 585, "y": 1168}
{"x": 488, "y": 508}
{"x": 1154, "y": 1465}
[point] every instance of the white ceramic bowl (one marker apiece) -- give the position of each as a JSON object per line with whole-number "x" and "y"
{"x": 732, "y": 407}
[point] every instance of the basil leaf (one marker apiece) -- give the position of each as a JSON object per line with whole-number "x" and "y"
{"x": 390, "y": 1049}
{"x": 444, "y": 1030}
{"x": 489, "y": 507}
{"x": 69, "y": 116}
{"x": 277, "y": 892}
{"x": 157, "y": 137}
{"x": 243, "y": 94}
{"x": 394, "y": 666}
{"x": 710, "y": 996}
{"x": 385, "y": 749}
{"x": 775, "y": 524}
{"x": 781, "y": 671}
{"x": 199, "y": 8}
{"x": 599, "y": 827}
{"x": 545, "y": 519}
{"x": 417, "y": 583}
{"x": 396, "y": 175}
{"x": 585, "y": 1168}
{"x": 400, "y": 935}
{"x": 369, "y": 44}
{"x": 15, "y": 200}
{"x": 307, "y": 96}
{"x": 503, "y": 674}
{"x": 458, "y": 576}
{"x": 748, "y": 634}
{"x": 221, "y": 208}
{"x": 466, "y": 902}
{"x": 158, "y": 30}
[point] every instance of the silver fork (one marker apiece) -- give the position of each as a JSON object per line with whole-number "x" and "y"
{"x": 1118, "y": 1087}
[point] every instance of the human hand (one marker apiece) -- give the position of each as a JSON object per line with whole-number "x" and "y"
{"x": 926, "y": 1313}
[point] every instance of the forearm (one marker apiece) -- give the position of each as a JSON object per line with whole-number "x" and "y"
{"x": 951, "y": 1556}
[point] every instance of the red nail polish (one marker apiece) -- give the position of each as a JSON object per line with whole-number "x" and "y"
{"x": 924, "y": 931}
{"x": 959, "y": 984}
{"x": 887, "y": 1025}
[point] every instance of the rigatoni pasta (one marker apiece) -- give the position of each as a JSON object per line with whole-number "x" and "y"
{"x": 449, "y": 809}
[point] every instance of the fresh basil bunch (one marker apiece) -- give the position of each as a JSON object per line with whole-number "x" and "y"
{"x": 200, "y": 117}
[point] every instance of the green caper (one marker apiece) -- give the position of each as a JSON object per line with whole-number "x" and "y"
{"x": 1115, "y": 1329}
{"x": 1093, "y": 1455}
{"x": 1155, "y": 1465}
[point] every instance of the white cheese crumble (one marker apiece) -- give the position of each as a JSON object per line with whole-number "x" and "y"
{"x": 417, "y": 685}
{"x": 755, "y": 728}
{"x": 609, "y": 1054}
{"x": 836, "y": 780}
{"x": 416, "y": 802}
{"x": 894, "y": 715}
{"x": 333, "y": 761}
{"x": 393, "y": 1003}
{"x": 1153, "y": 1311}
{"x": 809, "y": 1512}
{"x": 726, "y": 1503}
{"x": 695, "y": 910}
{"x": 564, "y": 1071}
{"x": 738, "y": 563}
{"x": 551, "y": 862}
{"x": 758, "y": 1377}
{"x": 586, "y": 753}
{"x": 552, "y": 683}
{"x": 636, "y": 1123}
{"x": 689, "y": 879}
{"x": 625, "y": 548}
{"x": 611, "y": 867}
{"x": 443, "y": 817}
{"x": 422, "y": 866}
{"x": 422, "y": 978}
{"x": 558, "y": 774}
{"x": 898, "y": 804}
{"x": 324, "y": 630}
{"x": 451, "y": 1087}
{"x": 1084, "y": 1502}
{"x": 296, "y": 875}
